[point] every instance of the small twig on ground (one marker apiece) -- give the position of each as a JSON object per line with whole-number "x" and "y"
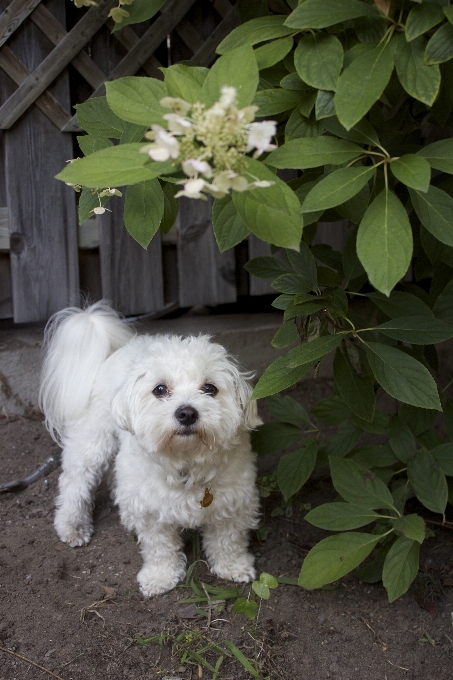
{"x": 379, "y": 639}
{"x": 71, "y": 660}
{"x": 402, "y": 668}
{"x": 24, "y": 658}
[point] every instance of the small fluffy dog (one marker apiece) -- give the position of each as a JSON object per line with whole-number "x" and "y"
{"x": 174, "y": 415}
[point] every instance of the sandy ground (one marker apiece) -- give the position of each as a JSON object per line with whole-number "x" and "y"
{"x": 77, "y": 614}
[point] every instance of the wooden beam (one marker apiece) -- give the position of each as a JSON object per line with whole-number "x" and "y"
{"x": 186, "y": 31}
{"x": 4, "y": 229}
{"x": 55, "y": 32}
{"x": 46, "y": 102}
{"x": 171, "y": 15}
{"x": 206, "y": 54}
{"x": 54, "y": 63}
{"x": 128, "y": 39}
{"x": 13, "y": 16}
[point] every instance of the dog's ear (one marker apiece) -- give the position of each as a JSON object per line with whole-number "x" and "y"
{"x": 249, "y": 408}
{"x": 122, "y": 406}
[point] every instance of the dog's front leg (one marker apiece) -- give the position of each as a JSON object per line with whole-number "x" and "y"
{"x": 164, "y": 561}
{"x": 226, "y": 547}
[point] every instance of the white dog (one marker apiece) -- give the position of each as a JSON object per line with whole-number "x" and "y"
{"x": 174, "y": 414}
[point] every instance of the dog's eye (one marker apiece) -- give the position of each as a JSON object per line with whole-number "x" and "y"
{"x": 209, "y": 389}
{"x": 160, "y": 391}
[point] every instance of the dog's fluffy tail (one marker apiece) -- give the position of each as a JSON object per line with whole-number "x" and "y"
{"x": 77, "y": 342}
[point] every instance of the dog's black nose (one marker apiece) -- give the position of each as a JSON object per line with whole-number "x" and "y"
{"x": 186, "y": 415}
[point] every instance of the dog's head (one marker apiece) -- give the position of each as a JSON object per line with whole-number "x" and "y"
{"x": 184, "y": 394}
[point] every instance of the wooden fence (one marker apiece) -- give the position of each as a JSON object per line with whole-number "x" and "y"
{"x": 53, "y": 56}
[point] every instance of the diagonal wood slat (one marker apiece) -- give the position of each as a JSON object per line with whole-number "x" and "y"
{"x": 171, "y": 15}
{"x": 128, "y": 39}
{"x": 46, "y": 102}
{"x": 54, "y": 63}
{"x": 206, "y": 54}
{"x": 55, "y": 32}
{"x": 14, "y": 15}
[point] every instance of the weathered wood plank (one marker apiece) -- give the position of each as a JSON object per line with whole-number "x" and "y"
{"x": 128, "y": 39}
{"x": 206, "y": 54}
{"x": 131, "y": 276}
{"x": 206, "y": 277}
{"x": 55, "y": 32}
{"x": 187, "y": 32}
{"x": 14, "y": 15}
{"x": 223, "y": 7}
{"x": 43, "y": 245}
{"x": 6, "y": 302}
{"x": 46, "y": 102}
{"x": 171, "y": 15}
{"x": 4, "y": 229}
{"x": 54, "y": 63}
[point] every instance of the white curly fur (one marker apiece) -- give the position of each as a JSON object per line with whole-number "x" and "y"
{"x": 97, "y": 396}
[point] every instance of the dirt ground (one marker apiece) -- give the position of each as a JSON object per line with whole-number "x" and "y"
{"x": 77, "y": 614}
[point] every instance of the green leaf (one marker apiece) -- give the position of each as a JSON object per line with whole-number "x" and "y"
{"x": 278, "y": 376}
{"x": 400, "y": 304}
{"x": 272, "y": 213}
{"x": 400, "y": 567}
{"x": 439, "y": 155}
{"x": 409, "y": 170}
{"x": 323, "y": 13}
{"x": 137, "y": 99}
{"x": 401, "y": 439}
{"x": 362, "y": 132}
{"x": 253, "y": 32}
{"x": 185, "y": 82}
{"x": 418, "y": 330}
{"x": 411, "y": 526}
{"x": 374, "y": 456}
{"x": 236, "y": 69}
{"x": 261, "y": 589}
{"x": 418, "y": 419}
{"x": 318, "y": 60}
{"x": 324, "y": 106}
{"x": 268, "y": 580}
{"x": 274, "y": 437}
{"x": 440, "y": 46}
{"x": 287, "y": 409}
{"x": 273, "y": 52}
{"x": 435, "y": 211}
{"x": 313, "y": 350}
{"x": 229, "y": 229}
{"x": 304, "y": 264}
{"x": 267, "y": 267}
{"x": 444, "y": 456}
{"x": 246, "y": 607}
{"x": 362, "y": 83}
{"x": 271, "y": 102}
{"x": 312, "y": 152}
{"x": 242, "y": 658}
{"x": 290, "y": 284}
{"x": 336, "y": 188}
{"x": 384, "y": 241}
{"x": 139, "y": 10}
{"x": 371, "y": 572}
{"x": 295, "y": 468}
{"x": 96, "y": 117}
{"x": 358, "y": 485}
{"x": 402, "y": 376}
{"x": 419, "y": 80}
{"x": 421, "y": 18}
{"x": 341, "y": 516}
{"x": 113, "y": 167}
{"x": 335, "y": 557}
{"x": 428, "y": 481}
{"x": 332, "y": 410}
{"x": 171, "y": 207}
{"x": 343, "y": 441}
{"x": 356, "y": 390}
{"x": 300, "y": 126}
{"x": 443, "y": 307}
{"x": 87, "y": 202}
{"x": 91, "y": 143}
{"x": 143, "y": 210}
{"x": 448, "y": 417}
{"x": 286, "y": 335}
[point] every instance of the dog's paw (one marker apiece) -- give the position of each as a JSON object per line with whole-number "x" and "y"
{"x": 240, "y": 569}
{"x": 155, "y": 580}
{"x": 73, "y": 534}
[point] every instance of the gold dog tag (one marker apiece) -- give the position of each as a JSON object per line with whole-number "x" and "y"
{"x": 207, "y": 498}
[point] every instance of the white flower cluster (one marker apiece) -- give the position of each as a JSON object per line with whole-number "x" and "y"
{"x": 211, "y": 144}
